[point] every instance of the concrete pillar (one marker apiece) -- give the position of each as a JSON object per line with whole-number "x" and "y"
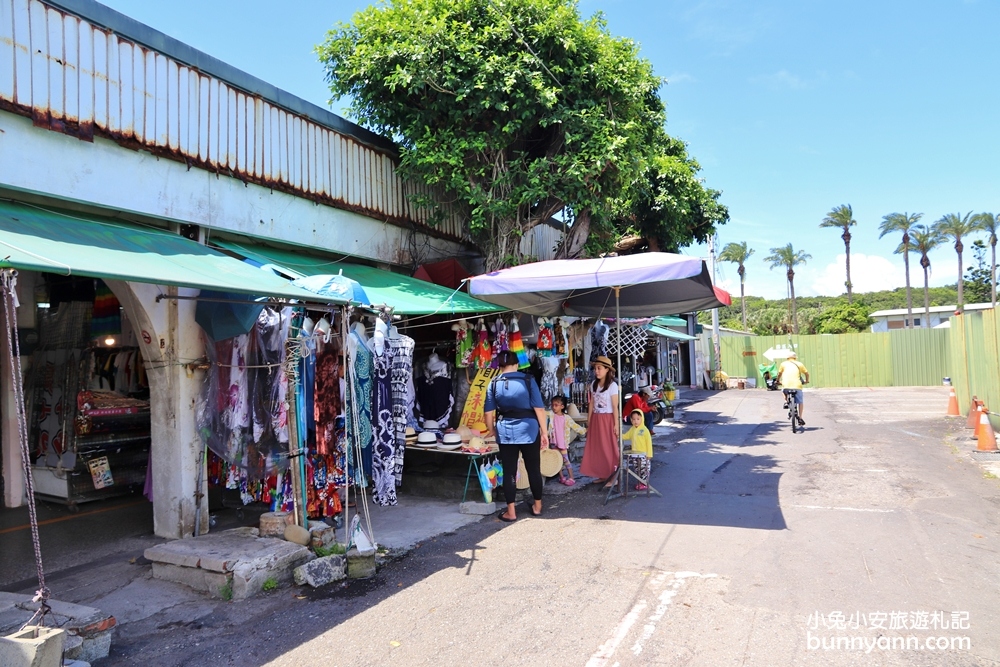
{"x": 169, "y": 339}
{"x": 10, "y": 444}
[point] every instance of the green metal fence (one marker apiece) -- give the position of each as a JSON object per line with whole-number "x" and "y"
{"x": 908, "y": 357}
{"x": 975, "y": 359}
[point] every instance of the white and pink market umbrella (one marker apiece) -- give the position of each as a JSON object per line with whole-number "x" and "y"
{"x": 646, "y": 285}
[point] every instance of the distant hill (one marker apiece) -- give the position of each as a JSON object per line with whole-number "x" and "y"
{"x": 773, "y": 316}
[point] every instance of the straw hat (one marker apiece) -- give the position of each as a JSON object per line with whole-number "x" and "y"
{"x": 411, "y": 432}
{"x": 477, "y": 443}
{"x": 452, "y": 439}
{"x": 427, "y": 438}
{"x": 481, "y": 427}
{"x": 464, "y": 432}
{"x": 573, "y": 411}
{"x": 551, "y": 462}
{"x": 604, "y": 361}
{"x": 431, "y": 425}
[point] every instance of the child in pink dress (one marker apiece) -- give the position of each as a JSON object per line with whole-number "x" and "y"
{"x": 561, "y": 429}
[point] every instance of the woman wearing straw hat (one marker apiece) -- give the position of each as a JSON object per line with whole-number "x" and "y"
{"x": 600, "y": 453}
{"x": 515, "y": 397}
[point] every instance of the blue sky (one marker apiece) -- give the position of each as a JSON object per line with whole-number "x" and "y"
{"x": 792, "y": 108}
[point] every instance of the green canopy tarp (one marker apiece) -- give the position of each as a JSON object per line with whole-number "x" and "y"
{"x": 667, "y": 333}
{"x": 42, "y": 239}
{"x": 670, "y": 321}
{"x": 408, "y": 296}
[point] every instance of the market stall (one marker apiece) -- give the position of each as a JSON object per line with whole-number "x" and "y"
{"x": 634, "y": 286}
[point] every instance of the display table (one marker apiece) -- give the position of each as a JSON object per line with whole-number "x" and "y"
{"x": 474, "y": 459}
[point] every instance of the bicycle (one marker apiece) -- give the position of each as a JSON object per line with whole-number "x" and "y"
{"x": 793, "y": 409}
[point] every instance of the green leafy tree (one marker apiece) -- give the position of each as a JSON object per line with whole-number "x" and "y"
{"x": 989, "y": 223}
{"x": 843, "y": 318}
{"x": 902, "y": 223}
{"x": 739, "y": 253}
{"x": 516, "y": 110}
{"x": 842, "y": 217}
{"x": 668, "y": 206}
{"x": 924, "y": 239}
{"x": 789, "y": 258}
{"x": 956, "y": 226}
{"x": 978, "y": 280}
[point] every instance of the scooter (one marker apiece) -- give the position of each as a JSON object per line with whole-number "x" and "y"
{"x": 662, "y": 408}
{"x": 769, "y": 372}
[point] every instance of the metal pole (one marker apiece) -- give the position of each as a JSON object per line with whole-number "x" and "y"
{"x": 716, "y": 347}
{"x": 619, "y": 488}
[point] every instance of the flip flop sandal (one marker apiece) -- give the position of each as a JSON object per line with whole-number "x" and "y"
{"x": 531, "y": 510}
{"x": 504, "y": 518}
{"x": 567, "y": 482}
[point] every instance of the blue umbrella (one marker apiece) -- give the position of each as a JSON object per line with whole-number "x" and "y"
{"x": 335, "y": 286}
{"x": 232, "y": 315}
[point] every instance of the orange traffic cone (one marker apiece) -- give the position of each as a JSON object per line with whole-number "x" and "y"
{"x": 987, "y": 440}
{"x": 973, "y": 418}
{"x": 952, "y": 404}
{"x": 981, "y": 411}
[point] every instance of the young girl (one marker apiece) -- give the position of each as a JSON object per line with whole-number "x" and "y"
{"x": 561, "y": 429}
{"x": 600, "y": 455}
{"x": 642, "y": 447}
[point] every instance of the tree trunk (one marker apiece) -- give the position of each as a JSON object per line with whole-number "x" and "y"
{"x": 961, "y": 282}
{"x": 573, "y": 243}
{"x": 927, "y": 298}
{"x": 993, "y": 270}
{"x": 743, "y": 298}
{"x": 795, "y": 312}
{"x": 847, "y": 252}
{"x": 906, "y": 264}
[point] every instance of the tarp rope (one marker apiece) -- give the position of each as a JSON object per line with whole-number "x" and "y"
{"x": 8, "y": 278}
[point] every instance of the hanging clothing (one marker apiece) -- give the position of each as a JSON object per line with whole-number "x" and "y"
{"x": 402, "y": 378}
{"x": 434, "y": 395}
{"x": 465, "y": 344}
{"x": 550, "y": 383}
{"x": 500, "y": 343}
{"x": 483, "y": 354}
{"x": 327, "y": 401}
{"x": 598, "y": 341}
{"x": 384, "y": 445}
{"x": 362, "y": 365}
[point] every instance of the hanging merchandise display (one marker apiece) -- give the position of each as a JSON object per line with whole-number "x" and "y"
{"x": 549, "y": 385}
{"x": 598, "y": 341}
{"x": 465, "y": 344}
{"x": 402, "y": 394}
{"x": 483, "y": 354}
{"x": 546, "y": 338}
{"x": 384, "y": 445}
{"x": 360, "y": 431}
{"x": 434, "y": 392}
{"x": 560, "y": 333}
{"x": 517, "y": 345}
{"x": 500, "y": 342}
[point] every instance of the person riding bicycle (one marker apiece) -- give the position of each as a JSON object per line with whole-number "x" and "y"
{"x": 792, "y": 375}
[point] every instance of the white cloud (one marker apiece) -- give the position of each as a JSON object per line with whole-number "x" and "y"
{"x": 681, "y": 77}
{"x": 781, "y": 79}
{"x": 869, "y": 273}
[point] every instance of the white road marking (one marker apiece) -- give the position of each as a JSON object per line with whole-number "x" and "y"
{"x": 844, "y": 509}
{"x": 608, "y": 648}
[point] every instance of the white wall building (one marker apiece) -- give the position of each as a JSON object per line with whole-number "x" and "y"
{"x": 889, "y": 320}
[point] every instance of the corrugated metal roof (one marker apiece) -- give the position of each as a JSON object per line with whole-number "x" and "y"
{"x": 73, "y": 67}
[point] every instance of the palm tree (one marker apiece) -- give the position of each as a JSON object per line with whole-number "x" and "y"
{"x": 738, "y": 253}
{"x": 990, "y": 223}
{"x": 923, "y": 239}
{"x": 956, "y": 226}
{"x": 902, "y": 222}
{"x": 843, "y": 217}
{"x": 789, "y": 258}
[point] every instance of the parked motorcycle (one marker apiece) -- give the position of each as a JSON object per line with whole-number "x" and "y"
{"x": 662, "y": 408}
{"x": 769, "y": 373}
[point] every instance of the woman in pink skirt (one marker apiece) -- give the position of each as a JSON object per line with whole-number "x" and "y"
{"x": 600, "y": 454}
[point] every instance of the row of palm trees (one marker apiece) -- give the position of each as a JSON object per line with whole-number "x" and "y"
{"x": 918, "y": 238}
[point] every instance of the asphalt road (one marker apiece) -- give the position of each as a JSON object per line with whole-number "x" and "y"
{"x": 873, "y": 527}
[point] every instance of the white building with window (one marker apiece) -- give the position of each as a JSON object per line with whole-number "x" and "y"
{"x": 889, "y": 320}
